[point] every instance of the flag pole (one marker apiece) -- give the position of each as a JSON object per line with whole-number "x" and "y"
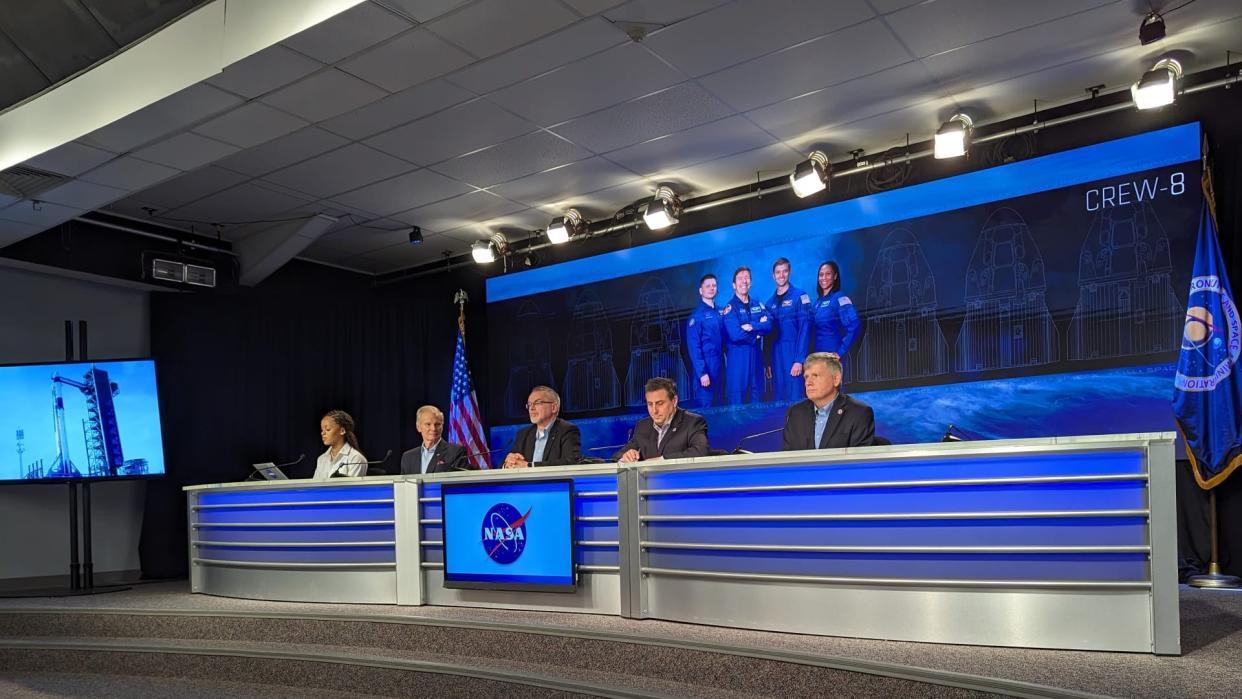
{"x": 1214, "y": 578}
{"x": 460, "y": 298}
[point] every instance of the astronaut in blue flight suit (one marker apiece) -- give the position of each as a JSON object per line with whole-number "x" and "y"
{"x": 791, "y": 334}
{"x": 705, "y": 338}
{"x": 746, "y": 321}
{"x": 833, "y": 316}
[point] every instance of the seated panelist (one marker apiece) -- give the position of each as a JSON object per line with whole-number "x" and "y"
{"x": 827, "y": 419}
{"x": 434, "y": 455}
{"x": 670, "y": 432}
{"x": 343, "y": 456}
{"x": 549, "y": 441}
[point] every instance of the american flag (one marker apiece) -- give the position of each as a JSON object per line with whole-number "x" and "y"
{"x": 464, "y": 425}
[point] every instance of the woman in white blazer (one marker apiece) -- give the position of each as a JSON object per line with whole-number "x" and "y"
{"x": 343, "y": 456}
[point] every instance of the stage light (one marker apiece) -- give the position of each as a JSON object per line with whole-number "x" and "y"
{"x": 482, "y": 252}
{"x": 565, "y": 227}
{"x": 811, "y": 175}
{"x": 663, "y": 210}
{"x": 416, "y": 236}
{"x": 953, "y": 138}
{"x": 1158, "y": 86}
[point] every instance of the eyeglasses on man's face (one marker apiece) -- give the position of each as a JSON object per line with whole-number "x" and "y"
{"x": 539, "y": 402}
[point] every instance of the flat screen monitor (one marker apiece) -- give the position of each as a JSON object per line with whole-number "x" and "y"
{"x": 510, "y": 535}
{"x": 80, "y": 421}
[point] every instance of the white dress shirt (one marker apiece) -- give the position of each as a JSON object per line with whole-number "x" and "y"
{"x": 349, "y": 462}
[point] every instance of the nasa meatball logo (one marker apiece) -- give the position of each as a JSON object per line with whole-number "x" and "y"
{"x": 1211, "y": 337}
{"x": 504, "y": 533}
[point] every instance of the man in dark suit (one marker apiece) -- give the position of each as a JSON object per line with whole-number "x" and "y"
{"x": 549, "y": 441}
{"x": 827, "y": 419}
{"x": 434, "y": 455}
{"x": 670, "y": 432}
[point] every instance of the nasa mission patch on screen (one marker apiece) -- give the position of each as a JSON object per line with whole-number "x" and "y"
{"x": 511, "y": 535}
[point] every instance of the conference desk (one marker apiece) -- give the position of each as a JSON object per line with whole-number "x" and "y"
{"x": 1052, "y": 543}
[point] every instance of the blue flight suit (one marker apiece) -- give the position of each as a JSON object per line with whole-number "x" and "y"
{"x": 705, "y": 338}
{"x": 836, "y": 324}
{"x": 791, "y": 335}
{"x": 744, "y": 349}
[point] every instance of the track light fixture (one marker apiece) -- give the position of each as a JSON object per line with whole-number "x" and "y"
{"x": 565, "y": 227}
{"x": 485, "y": 251}
{"x": 1158, "y": 86}
{"x": 953, "y": 138}
{"x": 663, "y": 210}
{"x": 416, "y": 236}
{"x": 811, "y": 175}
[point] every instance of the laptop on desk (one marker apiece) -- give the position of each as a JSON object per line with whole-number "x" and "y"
{"x": 270, "y": 471}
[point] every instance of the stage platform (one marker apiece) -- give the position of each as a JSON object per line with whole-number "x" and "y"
{"x": 161, "y": 640}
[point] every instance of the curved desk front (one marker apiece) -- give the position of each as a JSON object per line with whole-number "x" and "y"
{"x": 1054, "y": 543}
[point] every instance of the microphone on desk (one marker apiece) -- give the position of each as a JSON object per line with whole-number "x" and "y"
{"x": 337, "y": 473}
{"x": 739, "y": 450}
{"x": 485, "y": 452}
{"x": 628, "y": 436}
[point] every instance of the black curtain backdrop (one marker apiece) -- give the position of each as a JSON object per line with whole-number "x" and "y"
{"x": 245, "y": 376}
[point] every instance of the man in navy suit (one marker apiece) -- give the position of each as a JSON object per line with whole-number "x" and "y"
{"x": 670, "y": 432}
{"x": 434, "y": 455}
{"x": 549, "y": 441}
{"x": 828, "y": 418}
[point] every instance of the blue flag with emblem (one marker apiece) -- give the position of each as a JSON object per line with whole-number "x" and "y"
{"x": 1207, "y": 396}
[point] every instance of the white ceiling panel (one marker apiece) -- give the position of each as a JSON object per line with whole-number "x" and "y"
{"x": 454, "y": 131}
{"x": 660, "y": 12}
{"x": 808, "y": 120}
{"x": 186, "y": 151}
{"x": 932, "y": 27}
{"x": 516, "y": 226}
{"x": 246, "y": 201}
{"x": 675, "y": 109}
{"x": 512, "y": 159}
{"x": 422, "y": 10}
{"x": 747, "y": 29}
{"x": 347, "y": 33}
{"x": 876, "y": 134}
{"x": 273, "y": 67}
{"x": 72, "y": 159}
{"x": 80, "y": 194}
{"x": 44, "y": 215}
{"x": 602, "y": 80}
{"x": 398, "y": 109}
{"x": 466, "y": 210}
{"x": 340, "y": 170}
{"x": 324, "y": 95}
{"x": 587, "y": 8}
{"x": 250, "y": 125}
{"x": 604, "y": 203}
{"x": 403, "y": 192}
{"x": 856, "y": 51}
{"x": 724, "y": 137}
{"x": 130, "y": 173}
{"x": 282, "y": 152}
{"x": 407, "y": 60}
{"x": 170, "y": 114}
{"x": 565, "y": 46}
{"x": 489, "y": 27}
{"x": 564, "y": 182}
{"x": 732, "y": 171}
{"x": 193, "y": 185}
{"x": 887, "y": 6}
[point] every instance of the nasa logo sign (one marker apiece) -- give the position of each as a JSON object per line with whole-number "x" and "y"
{"x": 504, "y": 532}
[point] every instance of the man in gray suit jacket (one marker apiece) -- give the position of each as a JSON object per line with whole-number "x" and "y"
{"x": 670, "y": 432}
{"x": 827, "y": 419}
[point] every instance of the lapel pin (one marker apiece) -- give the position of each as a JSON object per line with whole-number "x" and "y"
{"x": 840, "y": 410}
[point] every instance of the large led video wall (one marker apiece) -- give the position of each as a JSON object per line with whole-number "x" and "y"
{"x": 1038, "y": 298}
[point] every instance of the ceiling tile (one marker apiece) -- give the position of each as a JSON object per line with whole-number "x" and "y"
{"x": 80, "y": 194}
{"x": 591, "y": 7}
{"x": 605, "y": 79}
{"x": 489, "y": 27}
{"x": 604, "y": 203}
{"x": 246, "y": 201}
{"x": 565, "y": 46}
{"x": 454, "y": 131}
{"x": 72, "y": 159}
{"x": 514, "y": 226}
{"x": 193, "y": 185}
{"x": 129, "y": 207}
{"x": 21, "y": 78}
{"x": 282, "y": 152}
{"x": 876, "y": 134}
{"x": 348, "y": 33}
{"x": 131, "y": 20}
{"x": 262, "y": 72}
{"x": 929, "y": 28}
{"x": 60, "y": 38}
{"x": 512, "y": 159}
{"x": 44, "y": 216}
{"x": 466, "y": 210}
{"x": 186, "y": 151}
{"x": 731, "y": 171}
{"x": 340, "y": 170}
{"x": 423, "y": 10}
{"x": 564, "y": 182}
{"x": 129, "y": 173}
{"x": 394, "y": 110}
{"x": 398, "y": 257}
{"x": 324, "y": 95}
{"x": 743, "y": 30}
{"x": 668, "y": 111}
{"x": 170, "y": 114}
{"x": 660, "y": 12}
{"x": 725, "y": 137}
{"x": 250, "y": 125}
{"x": 407, "y": 60}
{"x": 887, "y": 6}
{"x": 403, "y": 192}
{"x": 850, "y": 53}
